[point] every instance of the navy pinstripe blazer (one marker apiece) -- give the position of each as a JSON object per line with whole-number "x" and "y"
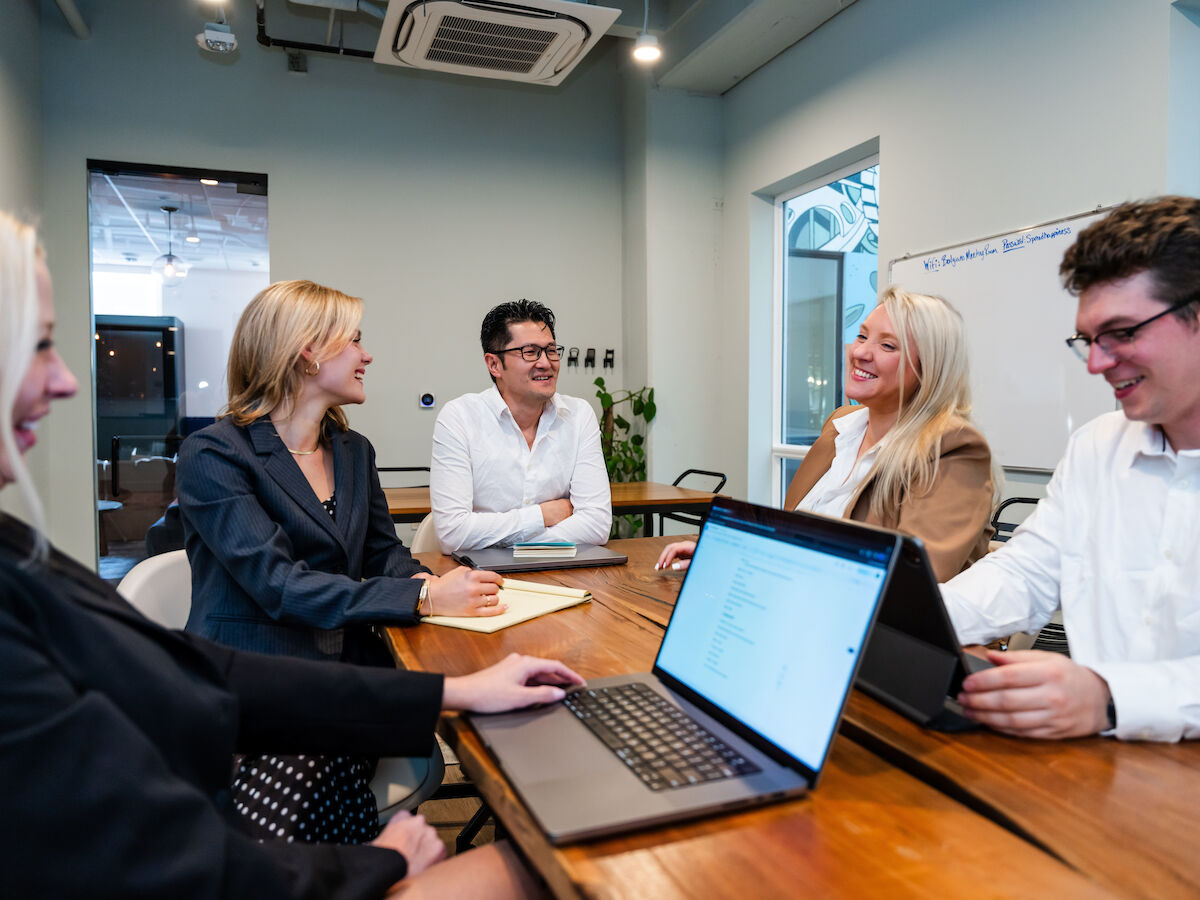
{"x": 271, "y": 570}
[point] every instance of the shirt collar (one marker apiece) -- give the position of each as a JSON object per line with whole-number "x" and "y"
{"x": 496, "y": 404}
{"x": 1147, "y": 441}
{"x": 850, "y": 428}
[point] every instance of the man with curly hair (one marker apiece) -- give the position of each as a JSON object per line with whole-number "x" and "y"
{"x": 1114, "y": 543}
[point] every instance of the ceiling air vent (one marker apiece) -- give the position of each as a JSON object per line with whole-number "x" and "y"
{"x": 539, "y": 42}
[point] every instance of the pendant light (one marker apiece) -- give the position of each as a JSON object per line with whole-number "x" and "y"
{"x": 645, "y": 48}
{"x": 169, "y": 267}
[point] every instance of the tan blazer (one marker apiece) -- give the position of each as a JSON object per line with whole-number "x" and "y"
{"x": 951, "y": 517}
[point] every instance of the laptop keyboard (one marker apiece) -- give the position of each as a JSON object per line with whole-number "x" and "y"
{"x": 660, "y": 743}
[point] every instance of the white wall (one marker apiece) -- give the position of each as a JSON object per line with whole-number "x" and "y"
{"x": 988, "y": 117}
{"x": 432, "y": 197}
{"x": 20, "y": 152}
{"x": 687, "y": 355}
{"x": 1183, "y": 96}
{"x": 209, "y": 304}
{"x": 20, "y": 109}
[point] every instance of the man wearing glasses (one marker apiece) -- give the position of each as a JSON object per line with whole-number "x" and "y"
{"x": 1116, "y": 541}
{"x": 519, "y": 461}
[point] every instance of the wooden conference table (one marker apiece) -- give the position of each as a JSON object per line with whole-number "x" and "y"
{"x": 899, "y": 810}
{"x": 634, "y": 498}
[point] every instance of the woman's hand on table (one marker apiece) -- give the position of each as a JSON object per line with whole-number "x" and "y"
{"x": 465, "y": 592}
{"x": 514, "y": 682}
{"x": 676, "y": 556}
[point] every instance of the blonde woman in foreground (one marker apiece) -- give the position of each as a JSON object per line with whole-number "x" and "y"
{"x": 116, "y": 735}
{"x": 907, "y": 457}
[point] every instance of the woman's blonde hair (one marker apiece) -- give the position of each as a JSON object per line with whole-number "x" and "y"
{"x": 907, "y": 462}
{"x": 280, "y": 323}
{"x": 19, "y": 255}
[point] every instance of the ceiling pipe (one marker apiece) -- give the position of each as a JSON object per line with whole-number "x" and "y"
{"x": 267, "y": 41}
{"x": 71, "y": 13}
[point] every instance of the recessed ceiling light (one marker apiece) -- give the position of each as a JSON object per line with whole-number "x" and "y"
{"x": 211, "y": 182}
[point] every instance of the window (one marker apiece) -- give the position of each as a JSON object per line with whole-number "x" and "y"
{"x": 161, "y": 344}
{"x": 828, "y": 284}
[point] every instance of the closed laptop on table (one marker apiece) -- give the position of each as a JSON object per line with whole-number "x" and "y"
{"x": 501, "y": 559}
{"x": 759, "y": 656}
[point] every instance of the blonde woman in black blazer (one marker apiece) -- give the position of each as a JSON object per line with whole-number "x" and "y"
{"x": 290, "y": 543}
{"x": 116, "y": 734}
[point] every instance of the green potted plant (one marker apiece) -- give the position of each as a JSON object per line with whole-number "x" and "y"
{"x": 624, "y": 446}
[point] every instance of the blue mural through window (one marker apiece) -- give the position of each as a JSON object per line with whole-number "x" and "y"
{"x": 843, "y": 217}
{"x": 830, "y": 278}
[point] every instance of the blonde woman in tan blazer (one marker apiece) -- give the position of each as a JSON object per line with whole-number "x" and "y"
{"x": 907, "y": 457}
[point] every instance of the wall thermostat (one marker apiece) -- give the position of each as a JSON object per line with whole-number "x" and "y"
{"x": 426, "y": 401}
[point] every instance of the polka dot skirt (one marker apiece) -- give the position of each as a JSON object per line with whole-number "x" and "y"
{"x": 309, "y": 799}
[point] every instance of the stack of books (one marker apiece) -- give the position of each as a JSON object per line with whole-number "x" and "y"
{"x": 544, "y": 550}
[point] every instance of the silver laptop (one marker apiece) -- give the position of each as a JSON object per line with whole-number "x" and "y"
{"x": 914, "y": 662}
{"x": 501, "y": 559}
{"x": 751, "y": 676}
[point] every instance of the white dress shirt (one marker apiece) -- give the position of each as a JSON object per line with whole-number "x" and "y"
{"x": 485, "y": 481}
{"x": 1116, "y": 544}
{"x": 833, "y": 492}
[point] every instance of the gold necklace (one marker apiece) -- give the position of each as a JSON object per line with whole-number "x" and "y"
{"x": 303, "y": 452}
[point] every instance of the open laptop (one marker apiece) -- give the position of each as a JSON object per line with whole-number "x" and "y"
{"x": 913, "y": 661}
{"x": 760, "y": 651}
{"x": 501, "y": 559}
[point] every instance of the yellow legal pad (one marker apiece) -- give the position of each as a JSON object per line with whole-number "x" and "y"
{"x": 526, "y": 600}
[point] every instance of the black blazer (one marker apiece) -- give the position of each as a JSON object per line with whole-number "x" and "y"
{"x": 271, "y": 571}
{"x": 116, "y": 737}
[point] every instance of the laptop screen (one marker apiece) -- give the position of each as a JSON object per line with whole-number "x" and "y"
{"x": 771, "y": 620}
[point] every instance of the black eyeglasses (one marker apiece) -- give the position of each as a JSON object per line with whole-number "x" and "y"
{"x": 532, "y": 352}
{"x": 1116, "y": 338}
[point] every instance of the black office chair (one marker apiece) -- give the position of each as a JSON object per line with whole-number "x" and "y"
{"x": 1053, "y": 636}
{"x": 425, "y": 469}
{"x": 694, "y": 519}
{"x": 1004, "y": 530}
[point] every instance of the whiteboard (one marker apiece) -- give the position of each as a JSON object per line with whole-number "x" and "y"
{"x": 1029, "y": 391}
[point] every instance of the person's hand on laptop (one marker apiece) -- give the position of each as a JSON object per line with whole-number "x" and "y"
{"x": 676, "y": 556}
{"x": 1036, "y": 694}
{"x": 465, "y": 592}
{"x": 514, "y": 682}
{"x": 554, "y": 511}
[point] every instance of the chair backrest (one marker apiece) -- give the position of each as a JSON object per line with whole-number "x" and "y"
{"x": 425, "y": 540}
{"x": 1004, "y": 530}
{"x": 160, "y": 588}
{"x": 420, "y": 481}
{"x": 716, "y": 488}
{"x": 691, "y": 519}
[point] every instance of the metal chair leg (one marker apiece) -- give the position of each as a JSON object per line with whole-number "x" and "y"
{"x": 462, "y": 843}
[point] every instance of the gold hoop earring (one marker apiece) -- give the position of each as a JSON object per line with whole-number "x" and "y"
{"x": 316, "y": 368}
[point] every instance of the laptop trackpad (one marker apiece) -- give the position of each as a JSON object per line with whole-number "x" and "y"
{"x": 545, "y": 745}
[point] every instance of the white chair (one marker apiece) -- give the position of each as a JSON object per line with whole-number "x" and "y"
{"x": 425, "y": 540}
{"x": 160, "y": 588}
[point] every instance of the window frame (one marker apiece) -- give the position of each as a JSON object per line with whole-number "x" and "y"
{"x": 779, "y": 451}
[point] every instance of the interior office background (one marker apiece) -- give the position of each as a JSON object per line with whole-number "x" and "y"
{"x": 643, "y": 216}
